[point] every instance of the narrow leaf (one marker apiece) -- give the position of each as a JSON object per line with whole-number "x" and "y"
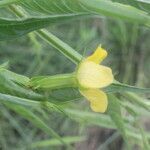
{"x": 56, "y": 142}
{"x": 4, "y": 3}
{"x": 47, "y": 12}
{"x": 13, "y": 28}
{"x": 120, "y": 87}
{"x": 17, "y": 100}
{"x": 114, "y": 110}
{"x": 34, "y": 119}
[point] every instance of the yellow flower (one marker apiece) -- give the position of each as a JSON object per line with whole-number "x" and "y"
{"x": 91, "y": 76}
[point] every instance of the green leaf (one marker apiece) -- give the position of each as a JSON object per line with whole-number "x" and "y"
{"x": 62, "y": 96}
{"x": 13, "y": 84}
{"x": 120, "y": 87}
{"x": 14, "y": 122}
{"x": 100, "y": 7}
{"x": 114, "y": 110}
{"x": 9, "y": 75}
{"x": 4, "y": 3}
{"x": 47, "y": 12}
{"x": 13, "y": 28}
{"x": 90, "y": 118}
{"x": 61, "y": 46}
{"x": 140, "y": 4}
{"x": 144, "y": 1}
{"x": 115, "y": 9}
{"x": 56, "y": 142}
{"x": 34, "y": 119}
{"x": 103, "y": 120}
{"x": 17, "y": 100}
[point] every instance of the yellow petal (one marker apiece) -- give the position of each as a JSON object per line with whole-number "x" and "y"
{"x": 97, "y": 98}
{"x": 91, "y": 75}
{"x": 98, "y": 55}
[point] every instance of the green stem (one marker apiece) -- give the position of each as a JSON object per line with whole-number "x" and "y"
{"x": 65, "y": 49}
{"x": 54, "y": 82}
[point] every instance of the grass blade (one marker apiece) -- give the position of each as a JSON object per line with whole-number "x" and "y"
{"x": 56, "y": 142}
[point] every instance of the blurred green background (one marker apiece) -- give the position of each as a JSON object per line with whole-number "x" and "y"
{"x": 128, "y": 47}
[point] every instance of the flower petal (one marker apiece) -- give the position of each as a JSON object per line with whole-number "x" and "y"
{"x": 97, "y": 98}
{"x": 91, "y": 75}
{"x": 98, "y": 55}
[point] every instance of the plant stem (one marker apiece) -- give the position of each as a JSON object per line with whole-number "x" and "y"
{"x": 65, "y": 49}
{"x": 60, "y": 45}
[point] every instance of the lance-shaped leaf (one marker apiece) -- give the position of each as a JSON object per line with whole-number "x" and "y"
{"x": 47, "y": 12}
{"x": 13, "y": 28}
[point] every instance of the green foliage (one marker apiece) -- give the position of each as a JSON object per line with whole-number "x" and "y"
{"x": 4, "y": 3}
{"x": 114, "y": 110}
{"x": 52, "y": 106}
{"x": 55, "y": 12}
{"x": 55, "y": 142}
